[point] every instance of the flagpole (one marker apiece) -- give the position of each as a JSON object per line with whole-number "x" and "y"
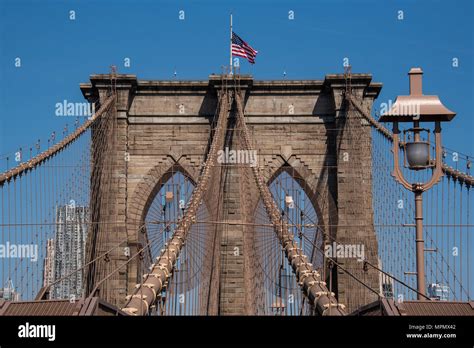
{"x": 230, "y": 61}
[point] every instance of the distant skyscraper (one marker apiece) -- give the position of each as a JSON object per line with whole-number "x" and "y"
{"x": 69, "y": 251}
{"x": 48, "y": 269}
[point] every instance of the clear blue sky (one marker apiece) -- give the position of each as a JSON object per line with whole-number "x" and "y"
{"x": 57, "y": 53}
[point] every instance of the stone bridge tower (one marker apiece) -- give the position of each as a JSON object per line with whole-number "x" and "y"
{"x": 301, "y": 125}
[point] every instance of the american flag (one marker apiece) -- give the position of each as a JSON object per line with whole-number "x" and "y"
{"x": 241, "y": 49}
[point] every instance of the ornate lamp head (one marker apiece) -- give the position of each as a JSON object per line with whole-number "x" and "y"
{"x": 417, "y": 107}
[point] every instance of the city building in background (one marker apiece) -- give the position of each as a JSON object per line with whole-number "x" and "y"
{"x": 438, "y": 292}
{"x": 386, "y": 283}
{"x": 67, "y": 252}
{"x": 387, "y": 288}
{"x": 8, "y": 292}
{"x": 48, "y": 265}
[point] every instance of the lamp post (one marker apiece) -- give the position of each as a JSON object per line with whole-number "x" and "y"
{"x": 418, "y": 108}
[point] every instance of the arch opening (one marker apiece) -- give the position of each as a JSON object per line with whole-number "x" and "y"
{"x": 187, "y": 290}
{"x": 280, "y": 293}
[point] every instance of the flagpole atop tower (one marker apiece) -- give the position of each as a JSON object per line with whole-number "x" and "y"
{"x": 230, "y": 61}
